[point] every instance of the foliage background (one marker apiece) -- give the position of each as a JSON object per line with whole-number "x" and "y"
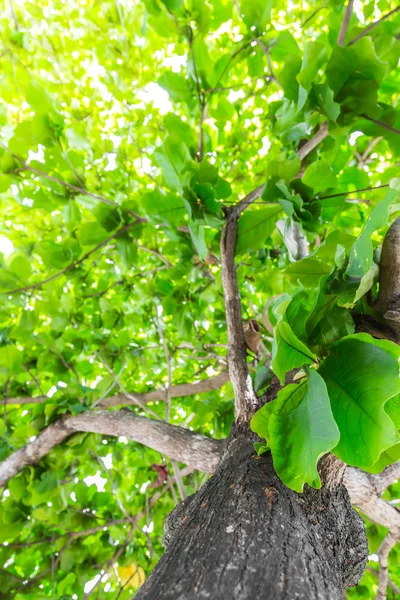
{"x": 101, "y": 104}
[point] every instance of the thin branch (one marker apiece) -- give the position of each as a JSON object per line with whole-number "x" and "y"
{"x": 245, "y": 398}
{"x": 180, "y": 390}
{"x": 134, "y": 399}
{"x": 367, "y": 189}
{"x": 345, "y": 23}
{"x": 34, "y": 379}
{"x": 309, "y": 146}
{"x": 169, "y": 367}
{"x": 235, "y": 87}
{"x": 122, "y": 548}
{"x": 179, "y": 444}
{"x": 14, "y": 16}
{"x": 363, "y": 159}
{"x": 373, "y": 25}
{"x": 36, "y": 286}
{"x": 388, "y": 476}
{"x": 391, "y": 583}
{"x": 202, "y": 101}
{"x": 113, "y": 485}
{"x": 381, "y": 124}
{"x": 266, "y": 53}
{"x": 383, "y": 554}
{"x": 363, "y": 490}
{"x": 155, "y": 253}
{"x": 203, "y": 112}
{"x": 175, "y": 465}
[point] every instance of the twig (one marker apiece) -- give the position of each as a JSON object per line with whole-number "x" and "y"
{"x": 383, "y": 554}
{"x": 108, "y": 390}
{"x": 309, "y": 146}
{"x": 266, "y": 52}
{"x": 35, "y": 286}
{"x": 79, "y": 190}
{"x": 381, "y": 124}
{"x": 122, "y": 548}
{"x": 114, "y": 487}
{"x": 34, "y": 379}
{"x": 175, "y": 465}
{"x": 179, "y": 480}
{"x": 169, "y": 367}
{"x": 234, "y": 87}
{"x": 373, "y": 25}
{"x": 391, "y": 583}
{"x": 158, "y": 395}
{"x": 387, "y": 477}
{"x": 363, "y": 158}
{"x": 14, "y": 16}
{"x": 134, "y": 399}
{"x": 155, "y": 253}
{"x": 367, "y": 189}
{"x": 345, "y": 23}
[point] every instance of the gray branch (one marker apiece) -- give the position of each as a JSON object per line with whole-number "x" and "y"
{"x": 179, "y": 444}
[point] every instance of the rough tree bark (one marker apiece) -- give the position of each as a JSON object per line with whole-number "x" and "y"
{"x": 245, "y": 535}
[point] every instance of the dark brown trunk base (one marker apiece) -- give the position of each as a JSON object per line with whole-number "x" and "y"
{"x": 245, "y": 536}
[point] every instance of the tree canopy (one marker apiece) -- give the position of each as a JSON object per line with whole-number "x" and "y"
{"x": 129, "y": 130}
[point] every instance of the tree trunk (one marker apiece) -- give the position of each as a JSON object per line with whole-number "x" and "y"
{"x": 245, "y": 535}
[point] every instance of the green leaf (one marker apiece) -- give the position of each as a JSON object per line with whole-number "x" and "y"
{"x": 288, "y": 352}
{"x": 91, "y": 233}
{"x": 256, "y": 13}
{"x": 325, "y": 96}
{"x": 255, "y": 226}
{"x": 299, "y": 428}
{"x": 319, "y": 176}
{"x": 177, "y": 86}
{"x": 350, "y": 64}
{"x": 10, "y": 358}
{"x": 198, "y": 238}
{"x": 161, "y": 207}
{"x": 361, "y": 375}
{"x": 260, "y": 448}
{"x": 360, "y": 260}
{"x": 307, "y": 271}
{"x": 172, "y": 157}
{"x": 127, "y": 249}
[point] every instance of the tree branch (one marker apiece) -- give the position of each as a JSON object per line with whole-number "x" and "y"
{"x": 381, "y": 124}
{"x": 383, "y": 554}
{"x": 309, "y": 146}
{"x": 345, "y": 23}
{"x": 35, "y": 286}
{"x": 179, "y": 444}
{"x": 389, "y": 278}
{"x": 246, "y": 401}
{"x": 365, "y": 493}
{"x": 70, "y": 186}
{"x": 245, "y": 398}
{"x": 373, "y": 25}
{"x": 177, "y": 391}
{"x": 391, "y": 584}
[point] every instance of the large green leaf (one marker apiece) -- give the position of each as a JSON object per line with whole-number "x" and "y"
{"x": 360, "y": 260}
{"x": 288, "y": 352}
{"x": 299, "y": 428}
{"x": 307, "y": 271}
{"x": 176, "y": 85}
{"x": 255, "y": 226}
{"x": 171, "y": 157}
{"x": 319, "y": 176}
{"x": 361, "y": 374}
